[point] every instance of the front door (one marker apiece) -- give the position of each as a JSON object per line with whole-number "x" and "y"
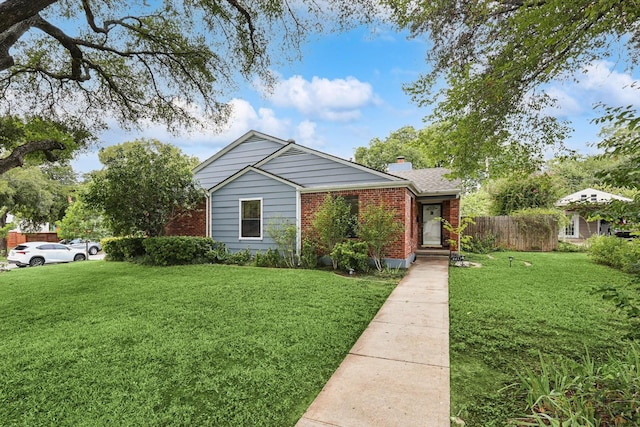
{"x": 431, "y": 225}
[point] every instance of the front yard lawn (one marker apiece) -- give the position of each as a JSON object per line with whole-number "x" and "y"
{"x": 99, "y": 343}
{"x": 503, "y": 318}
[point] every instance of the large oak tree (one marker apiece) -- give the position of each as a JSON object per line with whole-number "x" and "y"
{"x": 491, "y": 61}
{"x": 161, "y": 60}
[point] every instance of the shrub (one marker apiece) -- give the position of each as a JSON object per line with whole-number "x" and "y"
{"x": 570, "y": 247}
{"x": 271, "y": 258}
{"x": 377, "y": 228}
{"x": 536, "y": 191}
{"x": 180, "y": 250}
{"x": 481, "y": 244}
{"x": 284, "y": 233}
{"x": 309, "y": 256}
{"x": 242, "y": 257}
{"x": 615, "y": 252}
{"x": 123, "y": 248}
{"x": 351, "y": 255}
{"x": 331, "y": 224}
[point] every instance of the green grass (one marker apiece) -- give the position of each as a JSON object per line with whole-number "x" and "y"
{"x": 102, "y": 343}
{"x": 503, "y": 318}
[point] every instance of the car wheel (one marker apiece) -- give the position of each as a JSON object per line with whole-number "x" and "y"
{"x": 79, "y": 257}
{"x": 36, "y": 261}
{"x": 93, "y": 250}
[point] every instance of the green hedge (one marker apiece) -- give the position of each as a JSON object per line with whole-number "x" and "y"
{"x": 615, "y": 252}
{"x": 123, "y": 248}
{"x": 171, "y": 250}
{"x": 179, "y": 250}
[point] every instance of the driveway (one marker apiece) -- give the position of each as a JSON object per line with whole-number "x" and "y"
{"x": 95, "y": 257}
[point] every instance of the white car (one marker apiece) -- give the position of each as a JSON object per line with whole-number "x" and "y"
{"x": 39, "y": 253}
{"x": 92, "y": 247}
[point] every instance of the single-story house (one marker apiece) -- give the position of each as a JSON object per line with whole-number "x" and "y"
{"x": 258, "y": 178}
{"x": 579, "y": 227}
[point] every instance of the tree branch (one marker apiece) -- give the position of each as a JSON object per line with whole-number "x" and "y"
{"x": 15, "y": 11}
{"x": 16, "y": 158}
{"x": 68, "y": 43}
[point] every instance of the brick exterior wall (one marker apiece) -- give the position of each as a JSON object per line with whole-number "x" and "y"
{"x": 189, "y": 223}
{"x": 399, "y": 199}
{"x": 451, "y": 212}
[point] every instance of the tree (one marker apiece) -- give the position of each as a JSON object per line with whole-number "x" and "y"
{"x": 81, "y": 221}
{"x": 415, "y": 146}
{"x": 580, "y": 172}
{"x": 34, "y": 195}
{"x": 331, "y": 224}
{"x": 378, "y": 227}
{"x": 34, "y": 140}
{"x": 536, "y": 191}
{"x": 496, "y": 57}
{"x": 144, "y": 184}
{"x": 138, "y": 61}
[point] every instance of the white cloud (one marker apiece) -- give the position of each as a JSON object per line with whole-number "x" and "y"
{"x": 333, "y": 100}
{"x": 599, "y": 82}
{"x": 611, "y": 86}
{"x": 306, "y": 134}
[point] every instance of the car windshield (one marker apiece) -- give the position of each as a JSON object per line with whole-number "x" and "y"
{"x": 20, "y": 247}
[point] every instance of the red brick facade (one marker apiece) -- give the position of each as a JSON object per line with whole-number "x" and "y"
{"x": 451, "y": 212}
{"x": 408, "y": 210}
{"x": 401, "y": 200}
{"x": 190, "y": 223}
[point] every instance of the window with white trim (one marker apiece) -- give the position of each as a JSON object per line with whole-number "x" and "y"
{"x": 251, "y": 218}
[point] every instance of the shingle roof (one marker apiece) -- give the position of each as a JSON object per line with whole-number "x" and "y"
{"x": 431, "y": 181}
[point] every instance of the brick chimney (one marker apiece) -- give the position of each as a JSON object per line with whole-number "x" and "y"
{"x": 400, "y": 165}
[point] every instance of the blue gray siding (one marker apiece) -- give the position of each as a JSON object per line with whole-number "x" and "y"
{"x": 311, "y": 170}
{"x": 278, "y": 200}
{"x": 247, "y": 153}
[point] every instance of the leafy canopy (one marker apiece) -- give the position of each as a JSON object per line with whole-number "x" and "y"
{"x": 420, "y": 147}
{"x": 495, "y": 58}
{"x": 89, "y": 63}
{"x": 167, "y": 61}
{"x": 34, "y": 140}
{"x": 143, "y": 185}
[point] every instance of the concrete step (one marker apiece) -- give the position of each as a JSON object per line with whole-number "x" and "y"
{"x": 432, "y": 252}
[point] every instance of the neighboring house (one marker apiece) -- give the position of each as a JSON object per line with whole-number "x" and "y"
{"x": 579, "y": 227}
{"x": 259, "y": 178}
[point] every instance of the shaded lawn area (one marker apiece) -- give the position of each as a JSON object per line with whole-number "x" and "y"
{"x": 104, "y": 343}
{"x": 503, "y": 318}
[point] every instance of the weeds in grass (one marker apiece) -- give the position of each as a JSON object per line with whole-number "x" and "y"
{"x": 502, "y": 318}
{"x": 566, "y": 393}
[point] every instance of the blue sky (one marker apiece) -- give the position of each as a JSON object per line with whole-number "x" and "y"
{"x": 347, "y": 90}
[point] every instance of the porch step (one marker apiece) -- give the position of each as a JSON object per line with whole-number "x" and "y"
{"x": 432, "y": 252}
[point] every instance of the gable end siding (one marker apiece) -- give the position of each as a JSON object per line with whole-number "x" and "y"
{"x": 310, "y": 170}
{"x": 249, "y": 152}
{"x": 278, "y": 200}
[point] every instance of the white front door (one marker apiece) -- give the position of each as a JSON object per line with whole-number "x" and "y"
{"x": 431, "y": 225}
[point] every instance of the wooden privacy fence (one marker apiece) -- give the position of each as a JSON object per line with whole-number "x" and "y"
{"x": 518, "y": 233}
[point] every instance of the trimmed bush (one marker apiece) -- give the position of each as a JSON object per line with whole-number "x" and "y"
{"x": 351, "y": 255}
{"x": 180, "y": 250}
{"x": 270, "y": 258}
{"x": 309, "y": 256}
{"x": 615, "y": 252}
{"x": 123, "y": 248}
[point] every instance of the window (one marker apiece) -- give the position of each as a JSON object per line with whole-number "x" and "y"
{"x": 251, "y": 219}
{"x": 594, "y": 198}
{"x": 352, "y": 202}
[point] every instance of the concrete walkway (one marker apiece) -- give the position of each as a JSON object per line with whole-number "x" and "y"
{"x": 397, "y": 373}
